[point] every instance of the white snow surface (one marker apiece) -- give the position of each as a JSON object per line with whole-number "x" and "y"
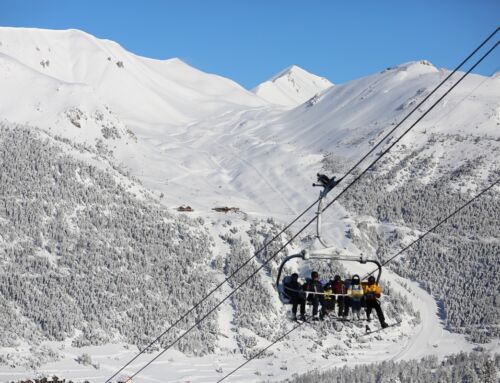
{"x": 291, "y": 87}
{"x": 404, "y": 342}
{"x": 138, "y": 88}
{"x": 204, "y": 141}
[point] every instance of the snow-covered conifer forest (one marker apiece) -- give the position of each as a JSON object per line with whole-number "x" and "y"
{"x": 457, "y": 368}
{"x": 132, "y": 187}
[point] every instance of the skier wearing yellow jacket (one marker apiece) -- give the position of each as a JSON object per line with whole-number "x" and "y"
{"x": 371, "y": 292}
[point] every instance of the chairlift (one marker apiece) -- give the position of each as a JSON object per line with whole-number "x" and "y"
{"x": 327, "y": 253}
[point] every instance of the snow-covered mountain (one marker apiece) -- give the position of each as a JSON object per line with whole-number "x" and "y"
{"x": 137, "y": 88}
{"x": 96, "y": 121}
{"x": 72, "y": 110}
{"x": 291, "y": 87}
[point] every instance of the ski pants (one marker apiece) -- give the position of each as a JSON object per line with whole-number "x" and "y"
{"x": 329, "y": 303}
{"x": 342, "y": 306}
{"x": 298, "y": 301}
{"x": 355, "y": 304}
{"x": 374, "y": 304}
{"x": 316, "y": 300}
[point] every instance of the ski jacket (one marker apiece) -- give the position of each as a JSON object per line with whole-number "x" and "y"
{"x": 293, "y": 289}
{"x": 372, "y": 290}
{"x": 338, "y": 287}
{"x": 355, "y": 291}
{"x": 313, "y": 286}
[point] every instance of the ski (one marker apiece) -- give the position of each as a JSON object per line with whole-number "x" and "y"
{"x": 298, "y": 320}
{"x": 380, "y": 329}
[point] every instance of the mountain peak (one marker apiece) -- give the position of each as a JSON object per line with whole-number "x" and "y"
{"x": 291, "y": 87}
{"x": 290, "y": 71}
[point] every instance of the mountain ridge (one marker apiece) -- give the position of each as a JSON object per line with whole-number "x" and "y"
{"x": 131, "y": 85}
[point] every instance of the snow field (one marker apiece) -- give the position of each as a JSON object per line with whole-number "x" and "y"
{"x": 202, "y": 140}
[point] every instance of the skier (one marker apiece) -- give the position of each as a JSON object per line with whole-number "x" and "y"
{"x": 355, "y": 293}
{"x": 313, "y": 286}
{"x": 339, "y": 289}
{"x": 293, "y": 289}
{"x": 372, "y": 291}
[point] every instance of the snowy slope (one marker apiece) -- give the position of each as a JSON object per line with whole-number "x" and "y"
{"x": 137, "y": 88}
{"x": 291, "y": 87}
{"x": 259, "y": 158}
{"x": 71, "y": 110}
{"x": 271, "y": 156}
{"x": 234, "y": 149}
{"x": 304, "y": 350}
{"x": 203, "y": 141}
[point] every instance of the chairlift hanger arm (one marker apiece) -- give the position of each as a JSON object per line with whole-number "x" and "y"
{"x": 283, "y": 263}
{"x": 327, "y": 184}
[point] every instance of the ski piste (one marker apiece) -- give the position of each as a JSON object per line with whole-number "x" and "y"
{"x": 380, "y": 329}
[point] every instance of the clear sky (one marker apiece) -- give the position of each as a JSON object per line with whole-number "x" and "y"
{"x": 251, "y": 40}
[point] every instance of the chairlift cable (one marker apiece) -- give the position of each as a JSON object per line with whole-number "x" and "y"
{"x": 289, "y": 225}
{"x": 411, "y": 126}
{"x": 435, "y": 226}
{"x": 402, "y": 135}
{"x": 396, "y": 255}
{"x": 416, "y": 240}
{"x": 194, "y": 307}
{"x": 421, "y": 102}
{"x": 284, "y": 246}
{"x": 262, "y": 351}
{"x": 226, "y": 297}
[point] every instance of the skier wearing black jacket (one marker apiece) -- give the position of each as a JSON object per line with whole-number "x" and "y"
{"x": 293, "y": 290}
{"x": 312, "y": 286}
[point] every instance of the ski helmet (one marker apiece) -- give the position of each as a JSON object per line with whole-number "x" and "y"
{"x": 355, "y": 280}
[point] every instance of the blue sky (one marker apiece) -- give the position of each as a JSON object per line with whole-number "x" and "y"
{"x": 251, "y": 40}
